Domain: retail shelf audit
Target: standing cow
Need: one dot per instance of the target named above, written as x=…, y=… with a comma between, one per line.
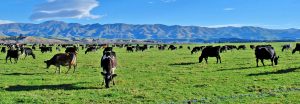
x=266, y=52
x=108, y=64
x=63, y=59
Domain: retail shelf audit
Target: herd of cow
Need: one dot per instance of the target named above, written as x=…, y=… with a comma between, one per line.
x=109, y=59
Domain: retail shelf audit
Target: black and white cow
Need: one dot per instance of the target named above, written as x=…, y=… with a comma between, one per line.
x=108, y=64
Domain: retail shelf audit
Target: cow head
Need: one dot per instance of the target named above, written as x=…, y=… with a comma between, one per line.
x=276, y=60
x=48, y=63
x=108, y=78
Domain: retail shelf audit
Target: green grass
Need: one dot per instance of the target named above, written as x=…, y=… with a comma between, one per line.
x=155, y=77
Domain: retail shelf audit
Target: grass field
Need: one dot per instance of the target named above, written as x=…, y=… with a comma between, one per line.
x=155, y=77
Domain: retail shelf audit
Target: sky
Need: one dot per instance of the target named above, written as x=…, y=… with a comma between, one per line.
x=274, y=14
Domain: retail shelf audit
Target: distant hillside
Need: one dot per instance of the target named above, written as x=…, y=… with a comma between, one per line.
x=58, y=29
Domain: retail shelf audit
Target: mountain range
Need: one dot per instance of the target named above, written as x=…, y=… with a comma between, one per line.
x=59, y=29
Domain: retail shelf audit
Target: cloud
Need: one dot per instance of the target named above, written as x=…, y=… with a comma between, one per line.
x=65, y=9
x=229, y=9
x=6, y=22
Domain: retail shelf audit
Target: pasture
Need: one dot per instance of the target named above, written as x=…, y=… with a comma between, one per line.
x=155, y=76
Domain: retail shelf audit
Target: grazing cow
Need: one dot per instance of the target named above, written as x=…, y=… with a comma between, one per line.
x=161, y=48
x=3, y=49
x=265, y=52
x=71, y=49
x=210, y=52
x=252, y=46
x=27, y=51
x=180, y=47
x=286, y=47
x=231, y=47
x=129, y=49
x=297, y=48
x=223, y=49
x=12, y=54
x=196, y=49
x=63, y=59
x=91, y=49
x=46, y=49
x=108, y=64
x=243, y=47
x=172, y=47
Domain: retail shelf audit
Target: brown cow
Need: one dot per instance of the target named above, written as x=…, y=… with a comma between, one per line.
x=64, y=59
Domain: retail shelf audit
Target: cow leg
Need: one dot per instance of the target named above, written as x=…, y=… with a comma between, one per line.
x=113, y=82
x=206, y=60
x=74, y=68
x=256, y=62
x=68, y=69
x=272, y=61
x=217, y=60
x=6, y=59
x=220, y=59
x=10, y=59
x=262, y=61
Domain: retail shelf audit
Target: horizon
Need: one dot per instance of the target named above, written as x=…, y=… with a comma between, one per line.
x=212, y=13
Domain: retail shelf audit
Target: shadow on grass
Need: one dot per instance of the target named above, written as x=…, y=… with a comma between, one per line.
x=47, y=87
x=240, y=68
x=183, y=63
x=17, y=74
x=283, y=71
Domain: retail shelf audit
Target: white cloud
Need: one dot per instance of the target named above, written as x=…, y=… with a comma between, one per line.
x=229, y=9
x=65, y=9
x=6, y=22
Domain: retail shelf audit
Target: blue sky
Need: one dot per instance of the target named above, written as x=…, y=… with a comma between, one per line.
x=277, y=14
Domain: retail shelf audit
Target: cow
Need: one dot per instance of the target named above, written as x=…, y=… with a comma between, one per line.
x=108, y=64
x=266, y=52
x=11, y=53
x=231, y=47
x=286, y=47
x=63, y=59
x=172, y=47
x=129, y=49
x=210, y=52
x=71, y=49
x=252, y=46
x=297, y=48
x=161, y=48
x=46, y=49
x=107, y=49
x=33, y=47
x=196, y=49
x=223, y=49
x=180, y=47
x=3, y=49
x=90, y=49
x=27, y=51
x=243, y=47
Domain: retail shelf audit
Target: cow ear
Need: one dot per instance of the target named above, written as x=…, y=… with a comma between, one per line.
x=45, y=61
x=103, y=73
x=114, y=75
x=278, y=57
